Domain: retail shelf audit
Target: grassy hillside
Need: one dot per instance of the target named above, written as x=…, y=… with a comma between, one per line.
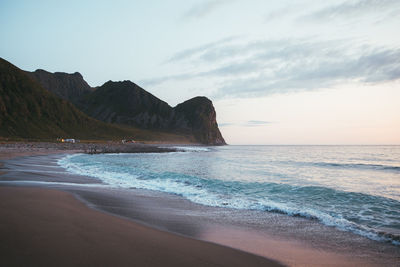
x=29, y=111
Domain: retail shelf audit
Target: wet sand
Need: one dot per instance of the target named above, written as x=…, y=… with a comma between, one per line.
x=16, y=149
x=292, y=241
x=41, y=227
x=44, y=227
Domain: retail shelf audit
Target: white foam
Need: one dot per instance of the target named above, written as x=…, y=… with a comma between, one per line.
x=193, y=148
x=201, y=195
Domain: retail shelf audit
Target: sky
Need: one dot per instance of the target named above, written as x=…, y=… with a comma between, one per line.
x=278, y=72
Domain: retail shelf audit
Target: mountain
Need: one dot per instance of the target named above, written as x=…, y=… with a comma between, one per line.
x=27, y=110
x=129, y=104
x=38, y=105
x=200, y=117
x=70, y=87
x=126, y=103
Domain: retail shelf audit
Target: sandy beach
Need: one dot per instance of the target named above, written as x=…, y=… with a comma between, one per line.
x=42, y=227
x=50, y=217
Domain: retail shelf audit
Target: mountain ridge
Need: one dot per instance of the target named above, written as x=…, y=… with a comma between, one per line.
x=28, y=111
x=68, y=86
x=126, y=105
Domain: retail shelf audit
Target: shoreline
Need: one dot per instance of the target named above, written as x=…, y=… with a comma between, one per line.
x=170, y=249
x=10, y=150
x=179, y=216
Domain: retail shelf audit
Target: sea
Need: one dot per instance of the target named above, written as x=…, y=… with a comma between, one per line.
x=351, y=188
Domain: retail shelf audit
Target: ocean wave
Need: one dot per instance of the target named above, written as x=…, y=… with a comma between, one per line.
x=312, y=202
x=334, y=221
x=365, y=166
x=193, y=148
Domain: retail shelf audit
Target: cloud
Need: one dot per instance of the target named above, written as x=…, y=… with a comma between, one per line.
x=283, y=12
x=313, y=73
x=204, y=8
x=225, y=124
x=350, y=9
x=256, y=123
x=188, y=53
x=222, y=71
x=231, y=47
x=267, y=67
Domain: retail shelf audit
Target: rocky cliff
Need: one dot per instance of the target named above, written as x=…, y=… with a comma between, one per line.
x=199, y=117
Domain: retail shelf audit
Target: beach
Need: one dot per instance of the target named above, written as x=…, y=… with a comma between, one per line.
x=200, y=133
x=53, y=217
x=42, y=227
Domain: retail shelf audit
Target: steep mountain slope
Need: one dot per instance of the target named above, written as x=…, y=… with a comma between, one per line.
x=29, y=111
x=126, y=103
x=67, y=86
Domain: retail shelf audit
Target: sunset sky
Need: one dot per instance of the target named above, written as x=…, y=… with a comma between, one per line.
x=278, y=72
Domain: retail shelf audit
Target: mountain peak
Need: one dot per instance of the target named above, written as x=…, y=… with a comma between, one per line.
x=200, y=114
x=77, y=74
x=125, y=83
x=67, y=86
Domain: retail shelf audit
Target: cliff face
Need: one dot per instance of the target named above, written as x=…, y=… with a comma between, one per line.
x=128, y=104
x=200, y=117
x=70, y=87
